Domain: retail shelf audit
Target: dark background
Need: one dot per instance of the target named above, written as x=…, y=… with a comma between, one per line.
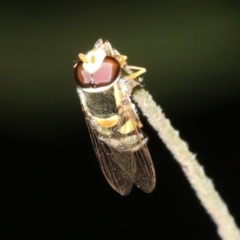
x=52, y=185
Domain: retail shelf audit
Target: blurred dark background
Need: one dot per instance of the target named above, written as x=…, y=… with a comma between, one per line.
x=52, y=185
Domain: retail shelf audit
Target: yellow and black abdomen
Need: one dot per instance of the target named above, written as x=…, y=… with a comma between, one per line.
x=114, y=120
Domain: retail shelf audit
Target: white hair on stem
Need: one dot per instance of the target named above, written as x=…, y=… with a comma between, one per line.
x=194, y=172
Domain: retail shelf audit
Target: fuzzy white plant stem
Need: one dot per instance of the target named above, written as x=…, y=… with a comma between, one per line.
x=194, y=172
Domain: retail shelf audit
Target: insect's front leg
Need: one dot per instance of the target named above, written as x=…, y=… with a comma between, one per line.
x=134, y=74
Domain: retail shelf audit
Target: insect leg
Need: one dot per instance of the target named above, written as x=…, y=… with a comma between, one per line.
x=135, y=74
x=121, y=58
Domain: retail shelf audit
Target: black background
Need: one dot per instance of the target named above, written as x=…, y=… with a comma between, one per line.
x=52, y=185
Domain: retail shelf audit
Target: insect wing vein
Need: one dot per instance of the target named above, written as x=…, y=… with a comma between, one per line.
x=113, y=164
x=145, y=174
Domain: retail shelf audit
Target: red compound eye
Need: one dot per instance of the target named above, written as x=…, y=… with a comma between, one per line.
x=104, y=76
x=82, y=77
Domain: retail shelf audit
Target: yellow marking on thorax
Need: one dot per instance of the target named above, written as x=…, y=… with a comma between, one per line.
x=117, y=95
x=128, y=127
x=107, y=122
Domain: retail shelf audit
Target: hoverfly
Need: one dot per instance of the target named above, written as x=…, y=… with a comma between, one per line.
x=105, y=83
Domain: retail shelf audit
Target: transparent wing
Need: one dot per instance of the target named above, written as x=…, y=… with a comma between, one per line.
x=122, y=168
x=145, y=177
x=118, y=167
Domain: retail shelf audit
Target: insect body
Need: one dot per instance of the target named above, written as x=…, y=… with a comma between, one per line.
x=105, y=83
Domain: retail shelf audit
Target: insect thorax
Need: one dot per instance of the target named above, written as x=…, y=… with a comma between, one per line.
x=101, y=104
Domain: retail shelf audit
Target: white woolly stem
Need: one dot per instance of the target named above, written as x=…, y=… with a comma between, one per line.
x=194, y=172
